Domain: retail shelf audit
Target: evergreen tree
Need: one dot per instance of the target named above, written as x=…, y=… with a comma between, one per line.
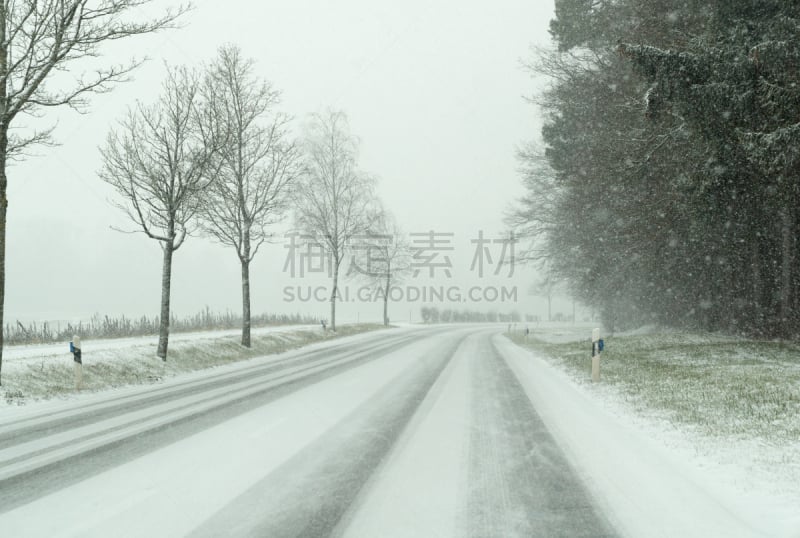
x=737, y=86
x=667, y=188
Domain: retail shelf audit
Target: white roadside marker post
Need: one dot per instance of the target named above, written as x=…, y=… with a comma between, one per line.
x=596, y=348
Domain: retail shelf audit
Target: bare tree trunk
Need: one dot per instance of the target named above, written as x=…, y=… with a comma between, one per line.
x=333, y=296
x=245, y=303
x=166, y=279
x=3, y=177
x=549, y=305
x=386, y=301
x=3, y=212
x=787, y=263
x=755, y=266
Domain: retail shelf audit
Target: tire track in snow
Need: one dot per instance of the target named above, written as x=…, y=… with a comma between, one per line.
x=309, y=494
x=29, y=485
x=53, y=422
x=521, y=484
x=418, y=488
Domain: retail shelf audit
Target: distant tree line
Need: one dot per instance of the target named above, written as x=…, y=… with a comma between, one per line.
x=667, y=188
x=433, y=314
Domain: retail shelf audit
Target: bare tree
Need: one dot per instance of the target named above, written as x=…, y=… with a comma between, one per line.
x=383, y=257
x=158, y=160
x=257, y=164
x=334, y=197
x=546, y=286
x=532, y=217
x=39, y=39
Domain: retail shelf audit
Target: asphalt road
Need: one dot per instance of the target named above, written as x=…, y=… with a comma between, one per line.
x=407, y=433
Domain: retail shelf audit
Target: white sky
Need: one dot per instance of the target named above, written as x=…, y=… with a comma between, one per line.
x=434, y=90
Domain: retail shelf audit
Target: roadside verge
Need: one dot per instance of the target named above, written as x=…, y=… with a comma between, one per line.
x=654, y=474
x=39, y=373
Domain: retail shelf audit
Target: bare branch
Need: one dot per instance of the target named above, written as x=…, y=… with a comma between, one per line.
x=43, y=38
x=334, y=201
x=258, y=162
x=159, y=163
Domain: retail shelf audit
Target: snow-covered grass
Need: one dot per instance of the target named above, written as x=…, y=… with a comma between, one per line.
x=44, y=372
x=732, y=403
x=719, y=385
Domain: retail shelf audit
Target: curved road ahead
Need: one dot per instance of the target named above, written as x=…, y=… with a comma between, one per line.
x=411, y=432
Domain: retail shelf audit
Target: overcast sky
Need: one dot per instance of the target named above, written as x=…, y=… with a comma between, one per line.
x=433, y=88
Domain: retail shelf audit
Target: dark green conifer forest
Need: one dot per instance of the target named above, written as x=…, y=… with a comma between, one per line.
x=666, y=189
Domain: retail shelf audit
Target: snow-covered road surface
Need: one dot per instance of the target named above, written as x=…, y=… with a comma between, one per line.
x=415, y=432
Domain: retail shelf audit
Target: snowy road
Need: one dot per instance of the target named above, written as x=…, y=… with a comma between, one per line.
x=415, y=432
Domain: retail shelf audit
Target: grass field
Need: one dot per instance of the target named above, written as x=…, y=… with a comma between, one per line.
x=714, y=384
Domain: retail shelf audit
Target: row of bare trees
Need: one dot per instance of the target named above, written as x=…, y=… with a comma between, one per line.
x=336, y=207
x=215, y=154
x=212, y=154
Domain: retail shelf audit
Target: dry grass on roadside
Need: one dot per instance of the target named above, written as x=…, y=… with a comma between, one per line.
x=720, y=385
x=40, y=379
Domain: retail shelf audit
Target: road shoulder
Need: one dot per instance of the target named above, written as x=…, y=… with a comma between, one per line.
x=645, y=489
